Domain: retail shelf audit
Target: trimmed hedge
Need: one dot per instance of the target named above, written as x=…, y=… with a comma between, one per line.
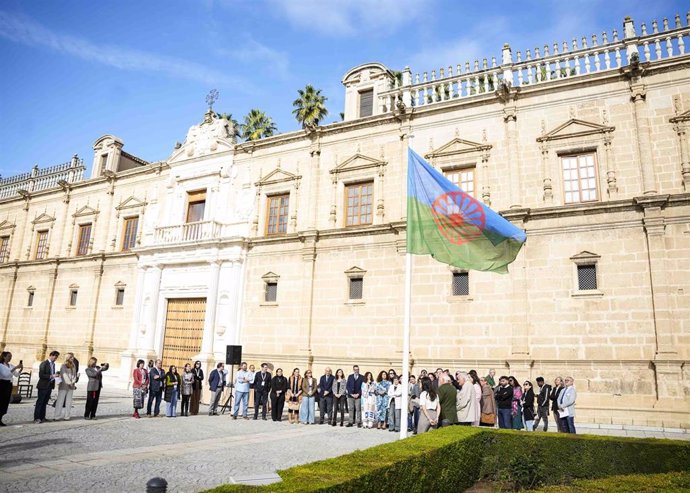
x=673, y=482
x=454, y=458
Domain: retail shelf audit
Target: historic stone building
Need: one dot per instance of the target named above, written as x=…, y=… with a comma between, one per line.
x=293, y=246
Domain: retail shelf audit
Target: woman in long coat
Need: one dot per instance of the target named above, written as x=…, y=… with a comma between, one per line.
x=196, y=388
x=488, y=404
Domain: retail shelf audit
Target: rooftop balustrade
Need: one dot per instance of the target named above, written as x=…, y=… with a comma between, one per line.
x=553, y=62
x=42, y=179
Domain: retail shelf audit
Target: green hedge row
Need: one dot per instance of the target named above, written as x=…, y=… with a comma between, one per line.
x=673, y=482
x=453, y=459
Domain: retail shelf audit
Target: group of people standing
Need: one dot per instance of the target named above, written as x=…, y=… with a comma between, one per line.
x=436, y=399
x=152, y=384
x=516, y=403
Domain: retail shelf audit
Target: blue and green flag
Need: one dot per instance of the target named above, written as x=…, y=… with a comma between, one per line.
x=452, y=226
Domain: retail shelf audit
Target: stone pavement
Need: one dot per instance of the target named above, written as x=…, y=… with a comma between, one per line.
x=117, y=453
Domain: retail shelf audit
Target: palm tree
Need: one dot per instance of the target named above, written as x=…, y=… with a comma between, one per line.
x=233, y=122
x=257, y=125
x=310, y=106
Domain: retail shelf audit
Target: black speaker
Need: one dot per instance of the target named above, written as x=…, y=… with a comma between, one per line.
x=233, y=355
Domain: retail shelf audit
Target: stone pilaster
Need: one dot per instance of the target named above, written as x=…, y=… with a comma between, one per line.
x=638, y=95
x=512, y=162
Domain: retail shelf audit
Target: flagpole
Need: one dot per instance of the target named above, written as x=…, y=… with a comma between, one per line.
x=406, y=344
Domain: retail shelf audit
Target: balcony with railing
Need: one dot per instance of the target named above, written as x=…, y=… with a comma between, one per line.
x=188, y=232
x=556, y=62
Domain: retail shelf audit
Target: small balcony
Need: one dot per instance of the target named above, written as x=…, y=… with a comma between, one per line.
x=188, y=232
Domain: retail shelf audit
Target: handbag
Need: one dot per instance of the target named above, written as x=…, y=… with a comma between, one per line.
x=488, y=419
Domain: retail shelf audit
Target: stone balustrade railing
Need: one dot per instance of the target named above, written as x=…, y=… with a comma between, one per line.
x=42, y=179
x=552, y=63
x=188, y=232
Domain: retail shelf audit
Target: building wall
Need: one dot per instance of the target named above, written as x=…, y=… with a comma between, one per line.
x=625, y=343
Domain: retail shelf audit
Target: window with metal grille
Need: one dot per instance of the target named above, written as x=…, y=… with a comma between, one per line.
x=461, y=283
x=271, y=292
x=358, y=203
x=366, y=103
x=579, y=178
x=463, y=178
x=120, y=296
x=4, y=249
x=129, y=234
x=84, y=238
x=42, y=245
x=586, y=277
x=30, y=301
x=356, y=288
x=73, y=297
x=277, y=214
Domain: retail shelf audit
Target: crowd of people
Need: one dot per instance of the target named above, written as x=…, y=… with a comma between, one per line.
x=435, y=399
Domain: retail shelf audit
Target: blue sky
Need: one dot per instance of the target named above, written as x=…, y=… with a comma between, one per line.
x=73, y=71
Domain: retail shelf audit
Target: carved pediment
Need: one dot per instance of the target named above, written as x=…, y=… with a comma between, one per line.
x=458, y=146
x=7, y=225
x=278, y=175
x=683, y=117
x=87, y=210
x=130, y=203
x=211, y=136
x=270, y=277
x=575, y=128
x=585, y=257
x=355, y=271
x=358, y=162
x=43, y=218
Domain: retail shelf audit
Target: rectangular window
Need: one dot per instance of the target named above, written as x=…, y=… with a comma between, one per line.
x=356, y=288
x=4, y=249
x=120, y=296
x=73, y=297
x=461, y=284
x=30, y=301
x=196, y=204
x=579, y=178
x=277, y=214
x=366, y=103
x=84, y=238
x=271, y=293
x=358, y=203
x=104, y=162
x=129, y=234
x=41, y=245
x=586, y=277
x=463, y=178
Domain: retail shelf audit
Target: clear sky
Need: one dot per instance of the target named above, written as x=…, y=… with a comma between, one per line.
x=71, y=71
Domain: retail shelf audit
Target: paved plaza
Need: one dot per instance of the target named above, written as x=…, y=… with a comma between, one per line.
x=117, y=453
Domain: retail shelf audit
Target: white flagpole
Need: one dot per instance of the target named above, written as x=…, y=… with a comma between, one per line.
x=406, y=344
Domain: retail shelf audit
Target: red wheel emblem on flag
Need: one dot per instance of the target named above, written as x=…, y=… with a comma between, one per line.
x=459, y=217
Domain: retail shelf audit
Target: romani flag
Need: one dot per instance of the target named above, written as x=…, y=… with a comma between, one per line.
x=452, y=226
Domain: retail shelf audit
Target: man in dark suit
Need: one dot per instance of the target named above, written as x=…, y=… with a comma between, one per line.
x=325, y=390
x=45, y=385
x=262, y=386
x=156, y=387
x=555, y=394
x=216, y=384
x=543, y=403
x=354, y=392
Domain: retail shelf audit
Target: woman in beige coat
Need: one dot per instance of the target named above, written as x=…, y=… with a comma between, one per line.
x=488, y=414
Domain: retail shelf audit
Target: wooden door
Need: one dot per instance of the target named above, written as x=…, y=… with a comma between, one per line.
x=184, y=330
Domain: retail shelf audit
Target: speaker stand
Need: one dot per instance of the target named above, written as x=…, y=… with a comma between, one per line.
x=231, y=386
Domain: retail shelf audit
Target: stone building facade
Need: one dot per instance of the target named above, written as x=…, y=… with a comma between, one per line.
x=293, y=246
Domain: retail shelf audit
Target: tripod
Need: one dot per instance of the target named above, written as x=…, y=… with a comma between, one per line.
x=231, y=385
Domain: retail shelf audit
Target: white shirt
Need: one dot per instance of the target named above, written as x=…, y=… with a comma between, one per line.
x=6, y=372
x=424, y=401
